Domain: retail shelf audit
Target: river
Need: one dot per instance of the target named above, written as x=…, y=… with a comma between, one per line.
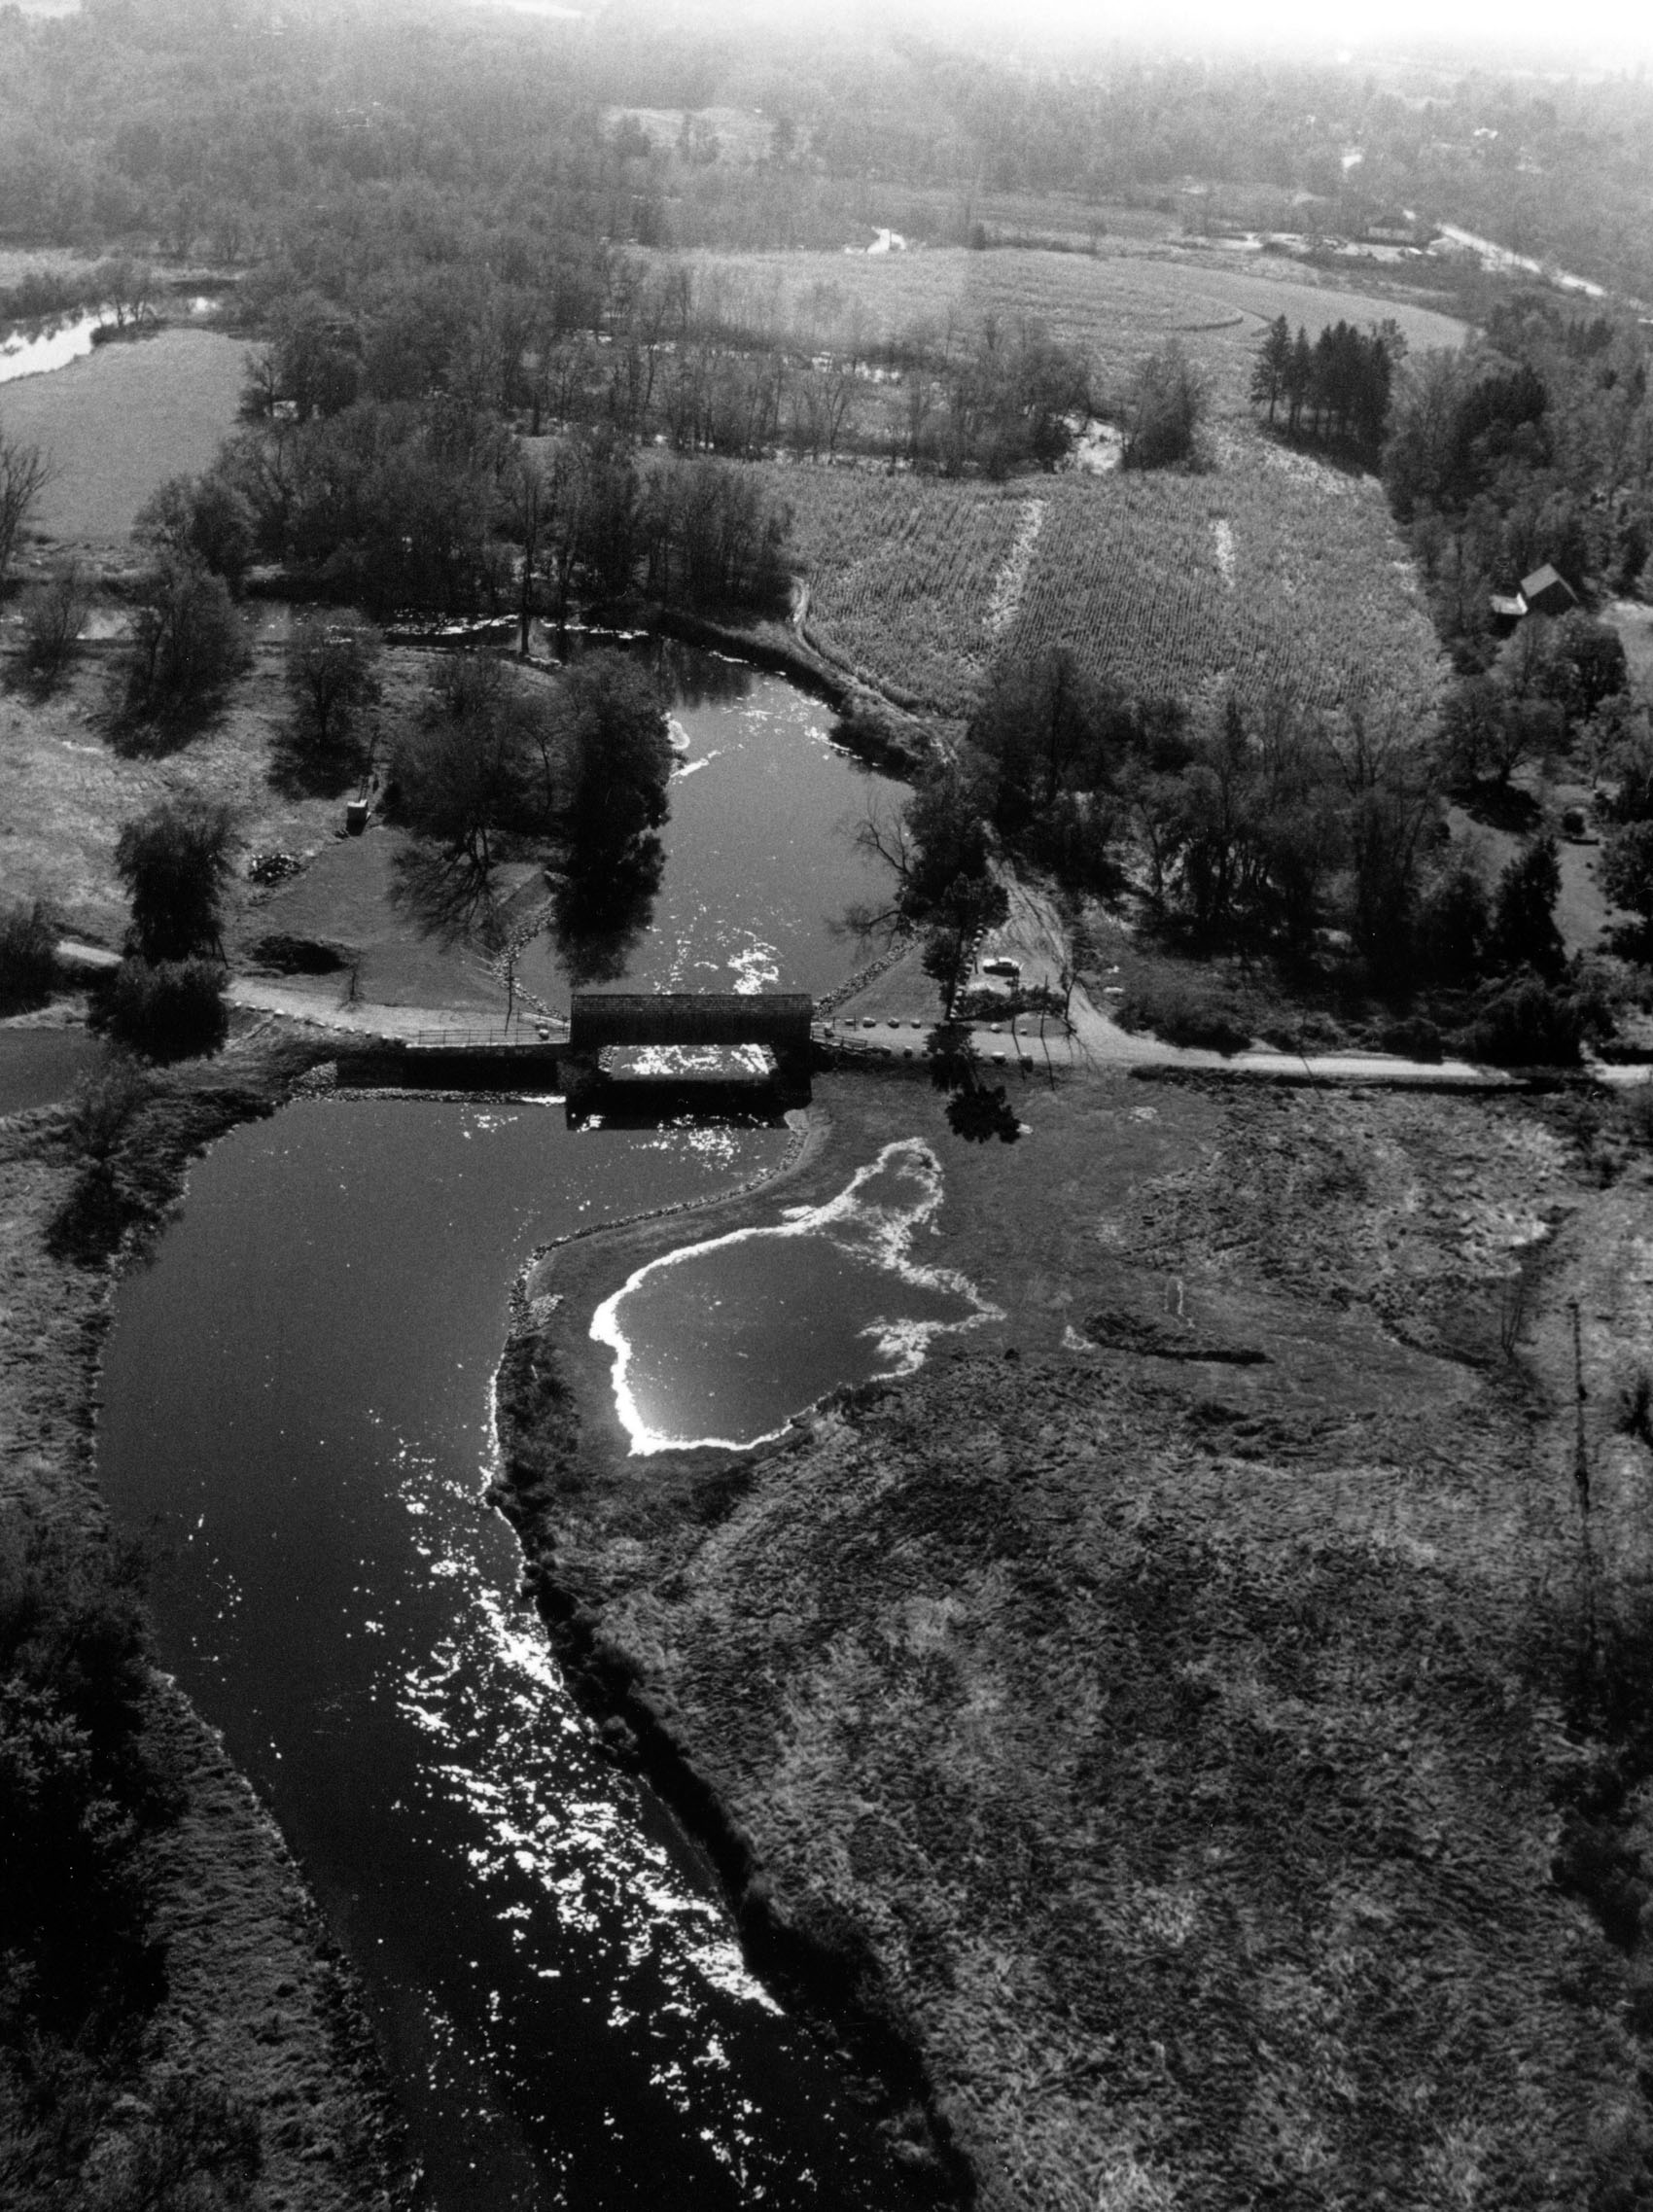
x=297, y=1404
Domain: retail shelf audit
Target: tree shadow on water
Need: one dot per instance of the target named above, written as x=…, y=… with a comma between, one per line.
x=601, y=908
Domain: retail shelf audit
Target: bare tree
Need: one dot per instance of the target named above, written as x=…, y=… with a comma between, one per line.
x=25, y=472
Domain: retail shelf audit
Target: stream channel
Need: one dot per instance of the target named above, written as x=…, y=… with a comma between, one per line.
x=296, y=1400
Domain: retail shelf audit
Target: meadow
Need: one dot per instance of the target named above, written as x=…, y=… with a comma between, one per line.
x=1268, y=571
x=1115, y=307
x=123, y=421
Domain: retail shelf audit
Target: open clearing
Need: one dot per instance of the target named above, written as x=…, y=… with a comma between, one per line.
x=121, y=422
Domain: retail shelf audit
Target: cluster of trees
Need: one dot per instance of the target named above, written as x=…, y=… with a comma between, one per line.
x=1249, y=832
x=1335, y=392
x=650, y=353
x=1556, y=687
x=573, y=770
x=1532, y=446
x=402, y=504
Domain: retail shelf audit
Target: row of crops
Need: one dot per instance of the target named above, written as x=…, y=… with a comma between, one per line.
x=901, y=574
x=1252, y=577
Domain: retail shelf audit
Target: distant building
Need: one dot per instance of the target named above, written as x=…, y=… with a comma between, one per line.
x=1392, y=229
x=1545, y=592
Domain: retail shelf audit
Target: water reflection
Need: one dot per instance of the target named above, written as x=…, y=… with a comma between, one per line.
x=55, y=347
x=721, y=1343
x=601, y=908
x=756, y=865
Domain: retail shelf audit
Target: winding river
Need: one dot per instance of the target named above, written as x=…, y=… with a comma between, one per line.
x=297, y=1404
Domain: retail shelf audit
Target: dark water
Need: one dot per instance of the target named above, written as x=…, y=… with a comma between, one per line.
x=297, y=1399
x=721, y=1341
x=758, y=861
x=38, y=1066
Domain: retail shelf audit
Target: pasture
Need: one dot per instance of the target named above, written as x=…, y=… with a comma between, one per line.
x=121, y=422
x=1269, y=571
x=1115, y=307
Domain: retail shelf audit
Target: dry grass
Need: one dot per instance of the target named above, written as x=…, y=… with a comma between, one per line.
x=65, y=791
x=1183, y=1740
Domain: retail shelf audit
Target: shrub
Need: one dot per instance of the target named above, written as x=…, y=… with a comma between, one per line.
x=29, y=956
x=103, y=1106
x=1184, y=1013
x=51, y=623
x=170, y=1009
x=1527, y=1024
x=1416, y=1037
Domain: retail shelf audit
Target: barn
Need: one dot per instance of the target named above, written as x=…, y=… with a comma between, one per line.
x=1545, y=592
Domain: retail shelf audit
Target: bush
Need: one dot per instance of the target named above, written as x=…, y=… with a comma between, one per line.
x=1416, y=1037
x=51, y=623
x=29, y=956
x=170, y=1009
x=1184, y=1013
x=102, y=1108
x=1528, y=1024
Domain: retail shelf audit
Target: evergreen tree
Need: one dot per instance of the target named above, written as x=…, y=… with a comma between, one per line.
x=1272, y=362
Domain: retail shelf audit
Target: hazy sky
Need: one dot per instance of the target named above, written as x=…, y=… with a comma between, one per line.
x=1510, y=32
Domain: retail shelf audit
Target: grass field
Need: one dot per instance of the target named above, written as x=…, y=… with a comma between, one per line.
x=1116, y=307
x=123, y=421
x=1270, y=570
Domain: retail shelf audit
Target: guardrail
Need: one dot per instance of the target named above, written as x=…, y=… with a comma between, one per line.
x=526, y=1036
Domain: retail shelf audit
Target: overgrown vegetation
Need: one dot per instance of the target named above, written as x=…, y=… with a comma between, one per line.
x=79, y=1968
x=28, y=955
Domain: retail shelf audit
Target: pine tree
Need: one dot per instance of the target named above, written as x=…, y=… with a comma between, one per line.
x=1298, y=380
x=1273, y=359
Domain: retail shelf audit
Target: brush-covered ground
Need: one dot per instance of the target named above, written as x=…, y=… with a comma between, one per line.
x=219, y=2052
x=1169, y=1707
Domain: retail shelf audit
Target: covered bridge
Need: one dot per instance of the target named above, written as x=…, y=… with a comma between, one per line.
x=778, y=1019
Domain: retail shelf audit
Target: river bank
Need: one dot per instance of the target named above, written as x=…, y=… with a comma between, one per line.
x=254, y=2001
x=1157, y=1715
